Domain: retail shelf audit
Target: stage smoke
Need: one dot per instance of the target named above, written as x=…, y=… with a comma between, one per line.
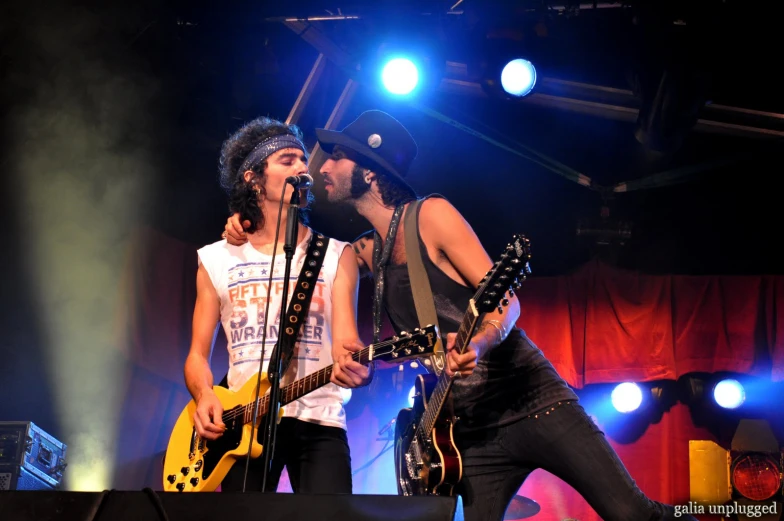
x=84, y=133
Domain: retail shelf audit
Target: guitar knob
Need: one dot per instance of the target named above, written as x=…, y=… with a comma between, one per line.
x=198, y=465
x=505, y=302
x=171, y=478
x=185, y=471
x=181, y=487
x=194, y=481
x=500, y=310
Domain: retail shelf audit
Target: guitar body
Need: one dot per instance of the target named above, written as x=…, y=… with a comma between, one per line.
x=429, y=466
x=193, y=464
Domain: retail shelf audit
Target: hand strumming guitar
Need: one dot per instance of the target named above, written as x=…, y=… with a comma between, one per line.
x=208, y=416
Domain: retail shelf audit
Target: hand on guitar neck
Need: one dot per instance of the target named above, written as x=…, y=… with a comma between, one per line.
x=457, y=363
x=347, y=372
x=462, y=362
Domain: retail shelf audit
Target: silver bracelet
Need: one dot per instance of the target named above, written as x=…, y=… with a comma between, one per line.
x=500, y=327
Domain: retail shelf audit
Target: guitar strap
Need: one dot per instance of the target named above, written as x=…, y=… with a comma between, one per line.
x=420, y=284
x=300, y=298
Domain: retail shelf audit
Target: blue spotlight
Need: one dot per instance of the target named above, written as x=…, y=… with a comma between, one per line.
x=345, y=394
x=729, y=394
x=400, y=76
x=518, y=77
x=626, y=397
x=411, y=395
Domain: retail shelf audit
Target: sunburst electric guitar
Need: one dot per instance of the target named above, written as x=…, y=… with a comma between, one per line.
x=427, y=461
x=193, y=464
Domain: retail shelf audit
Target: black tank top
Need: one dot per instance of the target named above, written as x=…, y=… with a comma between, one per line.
x=510, y=382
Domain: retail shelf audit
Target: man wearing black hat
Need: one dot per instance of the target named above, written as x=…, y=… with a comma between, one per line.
x=516, y=413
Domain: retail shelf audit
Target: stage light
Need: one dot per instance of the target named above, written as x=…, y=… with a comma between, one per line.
x=626, y=397
x=748, y=473
x=345, y=394
x=411, y=395
x=729, y=393
x=504, y=68
x=518, y=77
x=400, y=76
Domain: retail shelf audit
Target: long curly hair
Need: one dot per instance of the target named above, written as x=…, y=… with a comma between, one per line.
x=242, y=195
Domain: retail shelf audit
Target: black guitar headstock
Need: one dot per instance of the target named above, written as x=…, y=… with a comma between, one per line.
x=421, y=342
x=506, y=276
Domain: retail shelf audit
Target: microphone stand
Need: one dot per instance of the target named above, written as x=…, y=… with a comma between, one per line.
x=274, y=368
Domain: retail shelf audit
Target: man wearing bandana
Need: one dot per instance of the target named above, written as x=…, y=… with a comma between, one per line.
x=233, y=286
x=516, y=414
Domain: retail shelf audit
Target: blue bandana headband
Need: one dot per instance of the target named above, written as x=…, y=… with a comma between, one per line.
x=268, y=147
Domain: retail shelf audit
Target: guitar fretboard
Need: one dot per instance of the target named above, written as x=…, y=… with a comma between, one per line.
x=301, y=387
x=439, y=395
x=417, y=344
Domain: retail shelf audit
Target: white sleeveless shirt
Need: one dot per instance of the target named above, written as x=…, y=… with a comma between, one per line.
x=240, y=275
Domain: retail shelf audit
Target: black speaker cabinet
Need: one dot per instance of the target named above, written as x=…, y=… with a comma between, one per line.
x=171, y=506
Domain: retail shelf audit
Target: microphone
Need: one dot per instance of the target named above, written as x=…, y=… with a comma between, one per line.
x=300, y=181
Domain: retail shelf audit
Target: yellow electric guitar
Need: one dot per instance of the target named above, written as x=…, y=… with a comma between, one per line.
x=193, y=464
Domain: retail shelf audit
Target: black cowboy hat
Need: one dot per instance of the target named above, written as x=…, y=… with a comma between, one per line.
x=377, y=137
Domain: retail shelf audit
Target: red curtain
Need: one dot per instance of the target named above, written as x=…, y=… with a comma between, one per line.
x=597, y=325
x=602, y=324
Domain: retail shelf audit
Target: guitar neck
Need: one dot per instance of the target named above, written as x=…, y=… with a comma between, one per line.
x=296, y=390
x=439, y=395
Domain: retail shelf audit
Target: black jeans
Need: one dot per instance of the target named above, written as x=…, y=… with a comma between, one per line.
x=316, y=456
x=566, y=443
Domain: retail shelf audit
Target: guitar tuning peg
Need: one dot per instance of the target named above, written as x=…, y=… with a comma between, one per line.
x=511, y=293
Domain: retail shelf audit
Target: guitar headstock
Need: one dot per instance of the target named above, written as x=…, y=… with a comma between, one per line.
x=506, y=276
x=420, y=342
